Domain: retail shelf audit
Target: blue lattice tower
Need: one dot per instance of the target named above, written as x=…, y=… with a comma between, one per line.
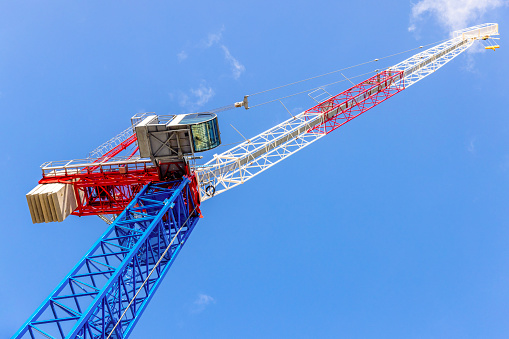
x=106, y=292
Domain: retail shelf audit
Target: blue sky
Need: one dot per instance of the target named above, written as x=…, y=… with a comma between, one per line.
x=393, y=226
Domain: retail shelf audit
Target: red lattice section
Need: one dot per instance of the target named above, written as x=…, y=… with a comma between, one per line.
x=105, y=188
x=347, y=105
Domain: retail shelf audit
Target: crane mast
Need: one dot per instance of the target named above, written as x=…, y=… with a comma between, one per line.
x=107, y=291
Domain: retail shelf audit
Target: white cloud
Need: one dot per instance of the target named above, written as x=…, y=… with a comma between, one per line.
x=453, y=14
x=183, y=99
x=237, y=67
x=182, y=56
x=469, y=65
x=471, y=146
x=203, y=94
x=202, y=302
x=216, y=38
x=196, y=98
x=470, y=60
x=213, y=38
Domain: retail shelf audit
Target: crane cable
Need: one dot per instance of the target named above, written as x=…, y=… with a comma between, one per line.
x=245, y=104
x=308, y=90
x=343, y=69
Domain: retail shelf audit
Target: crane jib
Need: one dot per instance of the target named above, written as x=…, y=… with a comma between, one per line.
x=313, y=123
x=330, y=108
x=327, y=111
x=435, y=57
x=246, y=160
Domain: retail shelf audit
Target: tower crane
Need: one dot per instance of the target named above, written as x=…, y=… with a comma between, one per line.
x=152, y=201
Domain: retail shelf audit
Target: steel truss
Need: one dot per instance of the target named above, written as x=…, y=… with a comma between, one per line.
x=110, y=193
x=124, y=139
x=103, y=188
x=423, y=64
x=358, y=99
x=102, y=185
x=250, y=158
x=106, y=292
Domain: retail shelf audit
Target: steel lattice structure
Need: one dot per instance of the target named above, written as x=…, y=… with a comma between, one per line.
x=107, y=291
x=252, y=157
x=102, y=187
x=119, y=275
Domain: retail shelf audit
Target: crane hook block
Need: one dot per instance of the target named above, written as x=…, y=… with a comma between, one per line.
x=242, y=103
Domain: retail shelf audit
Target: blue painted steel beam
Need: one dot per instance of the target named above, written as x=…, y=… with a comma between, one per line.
x=107, y=291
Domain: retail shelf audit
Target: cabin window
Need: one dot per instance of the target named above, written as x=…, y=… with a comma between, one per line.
x=205, y=135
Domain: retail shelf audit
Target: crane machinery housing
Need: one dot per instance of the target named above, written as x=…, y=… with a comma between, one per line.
x=152, y=200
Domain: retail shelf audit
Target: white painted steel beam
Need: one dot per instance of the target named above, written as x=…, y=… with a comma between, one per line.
x=248, y=159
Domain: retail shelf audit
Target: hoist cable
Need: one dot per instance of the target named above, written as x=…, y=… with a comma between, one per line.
x=342, y=69
x=307, y=91
x=232, y=106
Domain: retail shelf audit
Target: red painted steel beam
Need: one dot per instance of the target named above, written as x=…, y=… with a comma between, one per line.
x=117, y=149
x=357, y=100
x=103, y=176
x=105, y=189
x=195, y=192
x=110, y=192
x=109, y=188
x=105, y=199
